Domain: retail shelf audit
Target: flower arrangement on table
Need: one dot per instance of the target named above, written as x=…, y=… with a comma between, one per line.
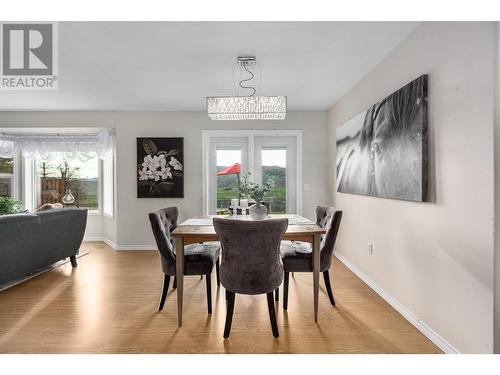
x=256, y=192
x=253, y=190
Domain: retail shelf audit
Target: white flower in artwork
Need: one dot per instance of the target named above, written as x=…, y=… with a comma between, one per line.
x=162, y=161
x=158, y=174
x=167, y=173
x=143, y=175
x=147, y=161
x=155, y=163
x=157, y=168
x=176, y=164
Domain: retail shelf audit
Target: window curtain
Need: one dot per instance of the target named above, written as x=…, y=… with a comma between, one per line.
x=46, y=147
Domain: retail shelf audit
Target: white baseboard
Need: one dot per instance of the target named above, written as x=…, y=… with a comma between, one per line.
x=135, y=247
x=93, y=239
x=432, y=335
x=118, y=247
x=110, y=243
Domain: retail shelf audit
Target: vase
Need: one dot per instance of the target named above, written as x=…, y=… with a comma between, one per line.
x=258, y=211
x=68, y=198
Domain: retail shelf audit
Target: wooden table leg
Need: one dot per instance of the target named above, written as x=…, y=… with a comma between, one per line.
x=179, y=263
x=316, y=258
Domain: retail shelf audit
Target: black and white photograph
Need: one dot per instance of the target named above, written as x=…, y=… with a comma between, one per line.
x=382, y=152
x=160, y=168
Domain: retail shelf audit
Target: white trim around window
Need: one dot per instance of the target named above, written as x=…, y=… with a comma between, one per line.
x=14, y=177
x=27, y=183
x=107, y=175
x=250, y=134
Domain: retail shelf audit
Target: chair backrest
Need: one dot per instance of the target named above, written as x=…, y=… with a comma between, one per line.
x=329, y=219
x=163, y=222
x=251, y=261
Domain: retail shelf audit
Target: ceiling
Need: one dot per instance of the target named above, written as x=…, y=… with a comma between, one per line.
x=173, y=66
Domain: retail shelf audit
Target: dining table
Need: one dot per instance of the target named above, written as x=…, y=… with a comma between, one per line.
x=200, y=229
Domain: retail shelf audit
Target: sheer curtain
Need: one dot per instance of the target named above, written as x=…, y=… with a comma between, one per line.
x=46, y=147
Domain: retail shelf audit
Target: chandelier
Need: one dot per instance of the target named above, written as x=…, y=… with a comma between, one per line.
x=250, y=107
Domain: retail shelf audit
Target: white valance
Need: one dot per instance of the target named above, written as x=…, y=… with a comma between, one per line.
x=46, y=147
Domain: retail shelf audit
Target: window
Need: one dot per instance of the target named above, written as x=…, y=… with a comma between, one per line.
x=54, y=177
x=263, y=153
x=6, y=177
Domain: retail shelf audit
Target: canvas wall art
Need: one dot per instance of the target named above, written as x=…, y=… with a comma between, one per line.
x=382, y=152
x=160, y=167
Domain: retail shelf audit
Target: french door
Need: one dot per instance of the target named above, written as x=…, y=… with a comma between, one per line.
x=269, y=154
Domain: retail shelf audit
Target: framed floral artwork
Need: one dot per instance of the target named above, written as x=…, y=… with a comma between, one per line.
x=160, y=167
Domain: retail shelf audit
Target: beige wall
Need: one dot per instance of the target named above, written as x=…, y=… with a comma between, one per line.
x=130, y=226
x=497, y=190
x=434, y=258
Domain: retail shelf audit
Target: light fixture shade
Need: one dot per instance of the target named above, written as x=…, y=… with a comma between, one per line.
x=246, y=107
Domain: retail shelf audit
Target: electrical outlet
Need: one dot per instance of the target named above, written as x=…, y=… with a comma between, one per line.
x=370, y=248
x=307, y=187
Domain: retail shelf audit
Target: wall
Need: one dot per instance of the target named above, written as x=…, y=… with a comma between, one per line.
x=130, y=227
x=434, y=259
x=497, y=191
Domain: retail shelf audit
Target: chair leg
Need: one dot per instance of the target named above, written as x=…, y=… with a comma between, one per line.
x=277, y=294
x=285, y=291
x=72, y=259
x=166, y=281
x=326, y=276
x=209, y=292
x=217, y=273
x=229, y=314
x=174, y=286
x=272, y=314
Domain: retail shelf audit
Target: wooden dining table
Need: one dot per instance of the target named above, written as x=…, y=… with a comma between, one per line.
x=200, y=229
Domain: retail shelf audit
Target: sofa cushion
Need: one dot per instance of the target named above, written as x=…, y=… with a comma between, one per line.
x=49, y=206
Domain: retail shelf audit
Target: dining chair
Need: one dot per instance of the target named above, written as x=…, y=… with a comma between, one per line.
x=251, y=262
x=199, y=259
x=297, y=256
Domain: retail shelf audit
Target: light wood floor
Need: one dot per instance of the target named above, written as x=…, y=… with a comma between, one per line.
x=108, y=305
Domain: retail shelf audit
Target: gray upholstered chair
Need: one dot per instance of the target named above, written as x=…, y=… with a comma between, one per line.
x=199, y=259
x=297, y=256
x=251, y=262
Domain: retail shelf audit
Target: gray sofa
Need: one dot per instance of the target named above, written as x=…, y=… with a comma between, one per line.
x=31, y=242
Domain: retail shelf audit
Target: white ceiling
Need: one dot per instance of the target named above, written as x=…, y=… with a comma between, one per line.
x=173, y=66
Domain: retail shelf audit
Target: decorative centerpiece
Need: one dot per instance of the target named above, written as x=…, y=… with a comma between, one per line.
x=68, y=198
x=257, y=193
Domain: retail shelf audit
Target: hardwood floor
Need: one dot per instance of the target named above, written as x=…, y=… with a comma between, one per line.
x=109, y=305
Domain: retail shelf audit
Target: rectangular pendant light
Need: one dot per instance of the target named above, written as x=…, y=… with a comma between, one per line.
x=246, y=107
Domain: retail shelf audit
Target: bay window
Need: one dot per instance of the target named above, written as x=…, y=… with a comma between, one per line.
x=39, y=166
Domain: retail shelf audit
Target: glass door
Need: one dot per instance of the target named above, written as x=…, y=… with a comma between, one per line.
x=228, y=160
x=276, y=154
